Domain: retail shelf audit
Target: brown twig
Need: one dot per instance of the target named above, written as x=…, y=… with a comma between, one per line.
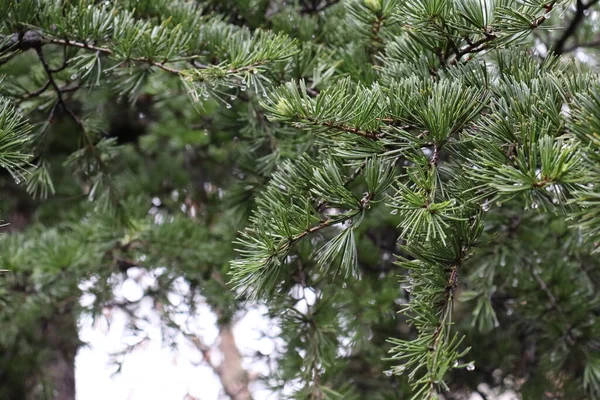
x=37, y=92
x=372, y=135
x=57, y=89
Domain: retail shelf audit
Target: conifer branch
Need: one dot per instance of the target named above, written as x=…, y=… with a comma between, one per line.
x=104, y=50
x=320, y=205
x=488, y=37
x=57, y=89
x=371, y=135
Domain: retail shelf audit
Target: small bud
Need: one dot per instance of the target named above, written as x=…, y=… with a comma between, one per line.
x=284, y=108
x=373, y=5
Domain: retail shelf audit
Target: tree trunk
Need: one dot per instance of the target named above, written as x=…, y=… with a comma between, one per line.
x=234, y=377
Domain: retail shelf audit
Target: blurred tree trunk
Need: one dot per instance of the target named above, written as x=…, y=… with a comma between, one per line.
x=56, y=376
x=234, y=377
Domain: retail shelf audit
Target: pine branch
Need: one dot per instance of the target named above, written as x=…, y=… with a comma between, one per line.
x=57, y=89
x=104, y=50
x=371, y=135
x=320, y=205
x=482, y=44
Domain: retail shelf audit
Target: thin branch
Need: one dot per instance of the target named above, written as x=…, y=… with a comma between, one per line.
x=204, y=350
x=482, y=43
x=311, y=9
x=592, y=44
x=104, y=50
x=372, y=135
x=57, y=89
x=8, y=57
x=64, y=63
x=321, y=204
x=37, y=92
x=436, y=154
x=71, y=43
x=480, y=393
x=447, y=307
x=580, y=9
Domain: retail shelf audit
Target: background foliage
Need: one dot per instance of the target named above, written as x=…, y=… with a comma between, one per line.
x=414, y=183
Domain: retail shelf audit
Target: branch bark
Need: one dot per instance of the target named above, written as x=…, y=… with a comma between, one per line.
x=232, y=375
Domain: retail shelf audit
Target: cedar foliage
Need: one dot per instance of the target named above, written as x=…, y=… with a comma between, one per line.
x=452, y=146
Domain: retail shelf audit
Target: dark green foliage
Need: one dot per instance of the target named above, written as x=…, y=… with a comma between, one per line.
x=427, y=157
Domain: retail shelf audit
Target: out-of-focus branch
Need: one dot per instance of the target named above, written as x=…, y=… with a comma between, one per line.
x=581, y=7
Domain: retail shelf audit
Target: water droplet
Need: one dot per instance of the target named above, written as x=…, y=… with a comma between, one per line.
x=509, y=311
x=485, y=206
x=232, y=97
x=227, y=105
x=394, y=212
x=586, y=12
x=538, y=260
x=17, y=180
x=534, y=205
x=243, y=88
x=471, y=366
x=555, y=201
x=455, y=364
x=73, y=77
x=496, y=324
x=388, y=372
